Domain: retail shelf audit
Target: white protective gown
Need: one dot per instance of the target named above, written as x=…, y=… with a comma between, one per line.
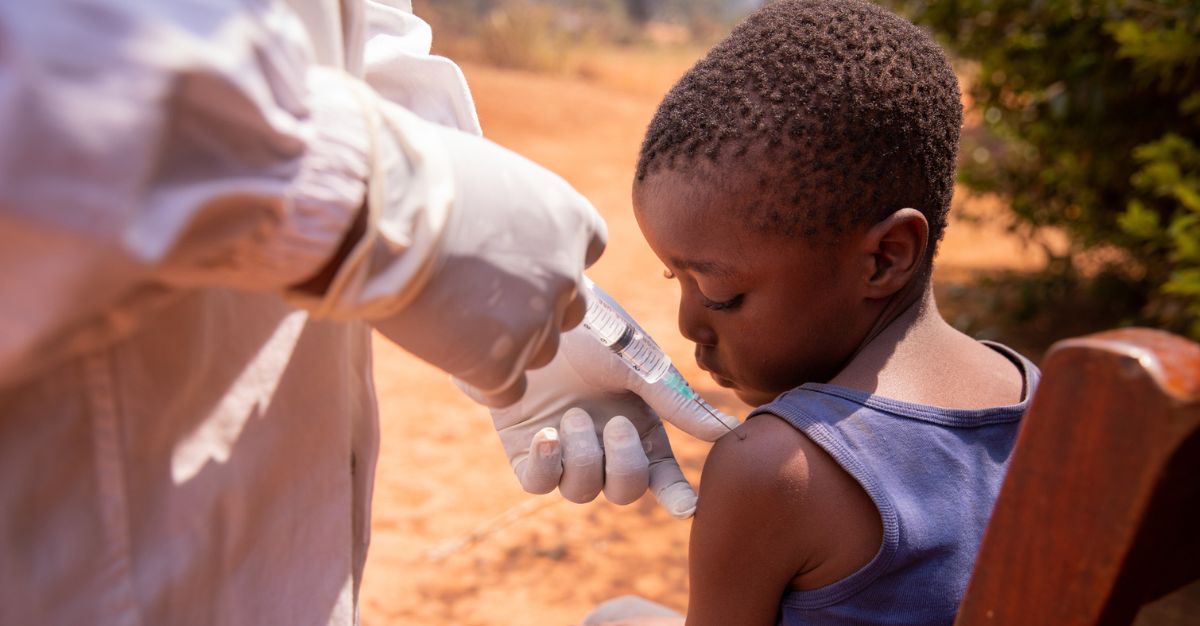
x=178, y=444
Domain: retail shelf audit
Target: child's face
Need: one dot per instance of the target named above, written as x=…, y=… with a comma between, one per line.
x=767, y=312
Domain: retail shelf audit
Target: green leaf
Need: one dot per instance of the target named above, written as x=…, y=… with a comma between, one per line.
x=1139, y=221
x=1184, y=282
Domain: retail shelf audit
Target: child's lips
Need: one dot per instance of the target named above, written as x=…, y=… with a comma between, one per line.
x=722, y=381
x=714, y=372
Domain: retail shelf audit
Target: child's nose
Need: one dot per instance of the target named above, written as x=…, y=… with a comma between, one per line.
x=693, y=322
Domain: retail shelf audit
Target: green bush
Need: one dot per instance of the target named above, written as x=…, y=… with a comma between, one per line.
x=1092, y=113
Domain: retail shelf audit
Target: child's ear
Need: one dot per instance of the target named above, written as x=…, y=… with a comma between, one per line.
x=896, y=249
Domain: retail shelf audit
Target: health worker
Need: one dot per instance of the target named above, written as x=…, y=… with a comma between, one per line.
x=205, y=207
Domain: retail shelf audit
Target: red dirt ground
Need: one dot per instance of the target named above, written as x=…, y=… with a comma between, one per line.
x=456, y=541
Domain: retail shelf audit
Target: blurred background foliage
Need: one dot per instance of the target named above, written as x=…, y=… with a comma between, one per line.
x=541, y=35
x=1087, y=124
x=1090, y=124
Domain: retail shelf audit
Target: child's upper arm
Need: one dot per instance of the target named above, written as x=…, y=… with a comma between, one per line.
x=753, y=530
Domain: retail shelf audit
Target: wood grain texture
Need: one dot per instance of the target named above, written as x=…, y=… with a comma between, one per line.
x=1098, y=513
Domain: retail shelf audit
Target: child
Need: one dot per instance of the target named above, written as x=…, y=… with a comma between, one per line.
x=796, y=182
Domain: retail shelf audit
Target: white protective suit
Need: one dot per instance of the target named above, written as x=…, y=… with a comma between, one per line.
x=183, y=440
x=186, y=437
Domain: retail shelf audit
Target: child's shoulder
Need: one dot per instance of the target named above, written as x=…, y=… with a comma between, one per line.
x=775, y=480
x=766, y=448
x=761, y=471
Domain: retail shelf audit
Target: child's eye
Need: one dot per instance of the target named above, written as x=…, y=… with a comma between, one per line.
x=727, y=305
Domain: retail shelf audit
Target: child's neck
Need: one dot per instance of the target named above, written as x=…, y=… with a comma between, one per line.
x=918, y=357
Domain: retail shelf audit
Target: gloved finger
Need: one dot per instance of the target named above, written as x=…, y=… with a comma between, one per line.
x=626, y=468
x=564, y=306
x=545, y=353
x=582, y=458
x=685, y=409
x=575, y=311
x=667, y=482
x=540, y=471
x=599, y=239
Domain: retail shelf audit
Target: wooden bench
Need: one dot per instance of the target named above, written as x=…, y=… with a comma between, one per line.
x=1100, y=511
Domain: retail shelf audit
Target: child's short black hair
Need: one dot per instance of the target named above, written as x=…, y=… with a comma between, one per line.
x=840, y=111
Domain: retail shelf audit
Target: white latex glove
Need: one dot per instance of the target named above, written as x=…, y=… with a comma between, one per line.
x=507, y=273
x=553, y=434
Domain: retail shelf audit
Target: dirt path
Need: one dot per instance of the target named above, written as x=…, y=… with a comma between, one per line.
x=456, y=542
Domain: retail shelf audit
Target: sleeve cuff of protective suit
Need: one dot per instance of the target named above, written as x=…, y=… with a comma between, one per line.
x=410, y=191
x=322, y=199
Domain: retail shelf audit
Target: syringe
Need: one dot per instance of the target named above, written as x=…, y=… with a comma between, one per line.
x=637, y=349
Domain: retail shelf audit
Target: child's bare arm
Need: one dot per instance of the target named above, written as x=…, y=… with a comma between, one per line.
x=775, y=512
x=747, y=540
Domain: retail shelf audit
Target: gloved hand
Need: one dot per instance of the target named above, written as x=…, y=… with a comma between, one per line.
x=507, y=273
x=586, y=395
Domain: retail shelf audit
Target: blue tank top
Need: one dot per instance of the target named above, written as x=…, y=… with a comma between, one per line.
x=933, y=474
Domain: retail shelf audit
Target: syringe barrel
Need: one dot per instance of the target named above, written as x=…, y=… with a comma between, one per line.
x=621, y=335
x=616, y=331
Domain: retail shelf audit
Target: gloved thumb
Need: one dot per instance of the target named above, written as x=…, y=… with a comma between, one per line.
x=675, y=402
